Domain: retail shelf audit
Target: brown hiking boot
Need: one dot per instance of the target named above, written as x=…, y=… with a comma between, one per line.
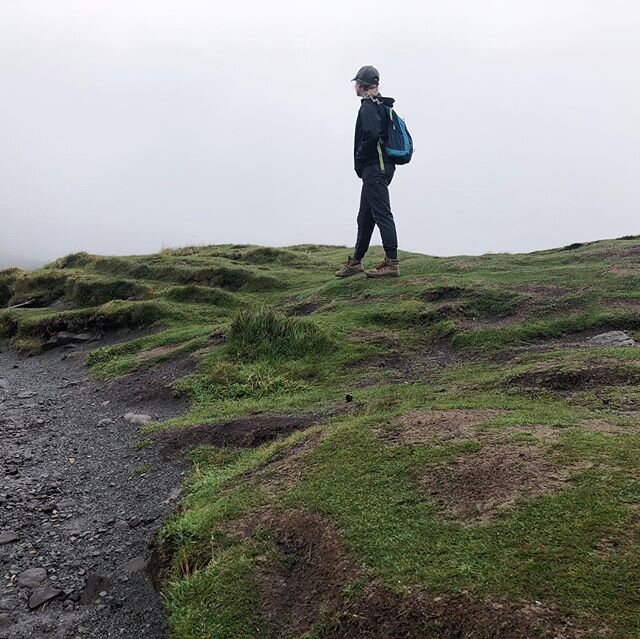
x=351, y=267
x=387, y=268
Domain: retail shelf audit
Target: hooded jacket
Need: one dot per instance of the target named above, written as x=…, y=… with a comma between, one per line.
x=371, y=126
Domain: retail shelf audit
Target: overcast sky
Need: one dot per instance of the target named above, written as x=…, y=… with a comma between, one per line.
x=126, y=125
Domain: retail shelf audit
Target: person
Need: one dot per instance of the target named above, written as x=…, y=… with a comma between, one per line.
x=376, y=171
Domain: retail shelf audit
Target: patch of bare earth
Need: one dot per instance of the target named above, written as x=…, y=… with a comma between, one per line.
x=245, y=432
x=308, y=576
x=150, y=386
x=588, y=376
x=415, y=614
x=419, y=426
x=607, y=428
x=160, y=351
x=303, y=590
x=477, y=485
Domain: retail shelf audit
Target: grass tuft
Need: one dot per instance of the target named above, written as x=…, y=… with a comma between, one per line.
x=267, y=334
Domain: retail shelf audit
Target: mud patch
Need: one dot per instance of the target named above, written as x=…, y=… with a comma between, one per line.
x=602, y=426
x=153, y=385
x=420, y=426
x=565, y=379
x=307, y=578
x=477, y=485
x=417, y=615
x=444, y=293
x=305, y=589
x=246, y=432
x=305, y=308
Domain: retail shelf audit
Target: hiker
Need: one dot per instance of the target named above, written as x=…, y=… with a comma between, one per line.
x=373, y=165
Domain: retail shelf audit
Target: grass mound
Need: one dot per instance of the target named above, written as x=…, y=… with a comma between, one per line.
x=576, y=376
x=268, y=255
x=95, y=291
x=8, y=279
x=110, y=316
x=73, y=260
x=194, y=294
x=41, y=288
x=266, y=333
x=167, y=269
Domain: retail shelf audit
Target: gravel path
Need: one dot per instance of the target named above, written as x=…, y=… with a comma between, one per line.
x=79, y=501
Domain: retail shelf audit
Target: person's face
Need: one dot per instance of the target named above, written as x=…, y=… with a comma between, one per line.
x=359, y=89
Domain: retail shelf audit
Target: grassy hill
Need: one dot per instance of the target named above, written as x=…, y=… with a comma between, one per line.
x=441, y=455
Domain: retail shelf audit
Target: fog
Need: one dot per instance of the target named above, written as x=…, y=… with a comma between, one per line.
x=129, y=126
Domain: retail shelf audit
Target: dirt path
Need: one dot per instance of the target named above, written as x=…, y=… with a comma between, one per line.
x=80, y=499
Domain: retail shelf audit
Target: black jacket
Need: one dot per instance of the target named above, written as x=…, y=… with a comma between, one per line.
x=371, y=126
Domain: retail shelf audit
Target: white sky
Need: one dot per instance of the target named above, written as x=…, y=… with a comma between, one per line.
x=128, y=125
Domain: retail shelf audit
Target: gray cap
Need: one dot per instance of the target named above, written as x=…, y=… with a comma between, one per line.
x=368, y=75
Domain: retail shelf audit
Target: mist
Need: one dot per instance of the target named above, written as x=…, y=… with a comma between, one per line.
x=129, y=126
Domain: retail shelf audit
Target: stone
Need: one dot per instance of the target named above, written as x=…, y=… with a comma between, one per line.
x=137, y=564
x=612, y=338
x=64, y=338
x=137, y=420
x=7, y=537
x=42, y=595
x=26, y=394
x=32, y=577
x=5, y=620
x=104, y=422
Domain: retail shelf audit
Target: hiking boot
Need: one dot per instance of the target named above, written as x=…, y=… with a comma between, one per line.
x=388, y=267
x=351, y=267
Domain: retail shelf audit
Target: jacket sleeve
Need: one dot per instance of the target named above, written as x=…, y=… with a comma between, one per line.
x=371, y=132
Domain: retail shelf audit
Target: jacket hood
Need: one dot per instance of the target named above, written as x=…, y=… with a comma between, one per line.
x=388, y=102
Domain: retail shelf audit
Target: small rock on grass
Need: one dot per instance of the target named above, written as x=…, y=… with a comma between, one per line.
x=612, y=338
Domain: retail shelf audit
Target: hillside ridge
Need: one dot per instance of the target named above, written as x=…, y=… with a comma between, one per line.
x=450, y=453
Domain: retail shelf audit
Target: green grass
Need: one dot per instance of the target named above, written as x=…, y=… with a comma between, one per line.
x=503, y=332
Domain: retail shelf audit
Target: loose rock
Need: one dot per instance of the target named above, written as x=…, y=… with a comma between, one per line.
x=137, y=420
x=32, y=577
x=612, y=338
x=42, y=595
x=137, y=564
x=8, y=537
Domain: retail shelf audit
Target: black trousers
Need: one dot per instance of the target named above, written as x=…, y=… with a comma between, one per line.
x=375, y=210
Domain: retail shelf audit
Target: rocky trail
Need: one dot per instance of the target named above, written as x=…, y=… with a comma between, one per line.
x=79, y=499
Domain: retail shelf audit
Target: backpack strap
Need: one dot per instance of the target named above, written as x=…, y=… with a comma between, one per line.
x=381, y=157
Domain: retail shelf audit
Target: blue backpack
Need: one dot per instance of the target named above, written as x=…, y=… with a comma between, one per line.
x=399, y=145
